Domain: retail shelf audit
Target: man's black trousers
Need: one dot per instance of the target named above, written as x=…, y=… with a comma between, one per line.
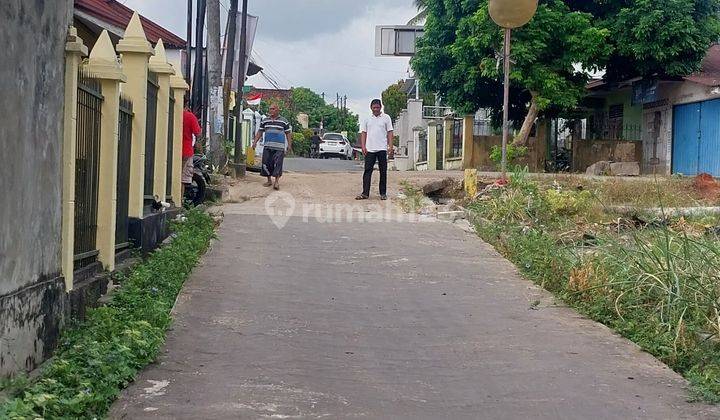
x=370, y=159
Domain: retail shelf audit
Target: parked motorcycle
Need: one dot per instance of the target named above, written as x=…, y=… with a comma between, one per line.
x=195, y=192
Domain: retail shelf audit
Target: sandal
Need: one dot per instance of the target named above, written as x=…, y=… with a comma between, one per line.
x=362, y=197
x=267, y=184
x=276, y=186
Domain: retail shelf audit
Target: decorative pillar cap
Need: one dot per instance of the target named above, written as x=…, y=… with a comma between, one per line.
x=177, y=82
x=74, y=44
x=135, y=40
x=103, y=62
x=159, y=62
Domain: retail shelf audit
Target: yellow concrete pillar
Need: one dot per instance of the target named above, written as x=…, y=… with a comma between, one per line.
x=448, y=127
x=74, y=51
x=135, y=51
x=432, y=146
x=179, y=87
x=468, y=124
x=159, y=65
x=103, y=65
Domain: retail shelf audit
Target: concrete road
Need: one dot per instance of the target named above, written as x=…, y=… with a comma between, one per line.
x=311, y=316
x=321, y=165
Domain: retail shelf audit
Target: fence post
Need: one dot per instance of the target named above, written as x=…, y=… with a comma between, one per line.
x=135, y=50
x=74, y=51
x=103, y=65
x=432, y=146
x=159, y=65
x=467, y=141
x=179, y=87
x=448, y=129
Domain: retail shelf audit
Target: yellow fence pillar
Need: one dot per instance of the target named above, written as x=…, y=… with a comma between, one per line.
x=74, y=51
x=159, y=65
x=448, y=127
x=432, y=146
x=467, y=141
x=103, y=65
x=135, y=50
x=179, y=87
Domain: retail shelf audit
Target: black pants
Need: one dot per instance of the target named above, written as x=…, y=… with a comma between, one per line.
x=370, y=159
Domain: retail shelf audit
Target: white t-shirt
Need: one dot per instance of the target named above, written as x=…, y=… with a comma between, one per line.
x=377, y=129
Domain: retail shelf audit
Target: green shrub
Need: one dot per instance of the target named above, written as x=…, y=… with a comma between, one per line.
x=301, y=144
x=568, y=203
x=513, y=153
x=100, y=356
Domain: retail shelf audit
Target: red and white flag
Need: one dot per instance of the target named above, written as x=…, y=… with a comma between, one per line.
x=253, y=100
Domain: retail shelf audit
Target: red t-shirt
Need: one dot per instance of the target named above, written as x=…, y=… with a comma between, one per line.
x=190, y=126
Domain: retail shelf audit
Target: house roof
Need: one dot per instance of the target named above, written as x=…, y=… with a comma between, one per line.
x=709, y=74
x=117, y=14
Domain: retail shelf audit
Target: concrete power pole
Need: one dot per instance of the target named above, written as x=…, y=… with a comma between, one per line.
x=239, y=164
x=214, y=61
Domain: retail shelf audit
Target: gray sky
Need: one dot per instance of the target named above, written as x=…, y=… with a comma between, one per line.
x=326, y=45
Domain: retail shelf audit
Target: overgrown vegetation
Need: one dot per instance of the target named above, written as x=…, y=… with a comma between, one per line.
x=100, y=356
x=655, y=281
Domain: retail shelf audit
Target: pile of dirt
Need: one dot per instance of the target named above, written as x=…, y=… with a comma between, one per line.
x=706, y=186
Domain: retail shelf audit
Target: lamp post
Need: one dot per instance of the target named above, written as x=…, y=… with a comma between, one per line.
x=509, y=14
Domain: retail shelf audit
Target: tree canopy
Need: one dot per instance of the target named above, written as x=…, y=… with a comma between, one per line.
x=459, y=56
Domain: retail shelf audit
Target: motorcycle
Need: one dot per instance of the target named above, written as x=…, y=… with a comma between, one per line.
x=195, y=192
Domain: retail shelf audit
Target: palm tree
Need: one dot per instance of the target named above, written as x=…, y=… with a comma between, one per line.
x=422, y=13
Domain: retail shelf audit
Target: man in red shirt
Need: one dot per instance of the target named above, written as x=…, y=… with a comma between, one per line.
x=191, y=127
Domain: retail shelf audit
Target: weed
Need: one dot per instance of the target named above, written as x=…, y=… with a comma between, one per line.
x=100, y=356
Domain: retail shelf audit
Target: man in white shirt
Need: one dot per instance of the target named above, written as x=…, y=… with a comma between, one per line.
x=376, y=138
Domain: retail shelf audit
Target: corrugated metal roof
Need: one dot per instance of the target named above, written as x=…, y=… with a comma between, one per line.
x=117, y=14
x=709, y=74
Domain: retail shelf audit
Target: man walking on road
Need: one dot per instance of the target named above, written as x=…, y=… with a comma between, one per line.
x=277, y=137
x=376, y=139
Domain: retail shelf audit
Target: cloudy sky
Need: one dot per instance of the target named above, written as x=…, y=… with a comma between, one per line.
x=326, y=45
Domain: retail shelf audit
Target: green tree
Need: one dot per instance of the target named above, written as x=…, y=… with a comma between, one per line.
x=545, y=53
x=665, y=38
x=394, y=99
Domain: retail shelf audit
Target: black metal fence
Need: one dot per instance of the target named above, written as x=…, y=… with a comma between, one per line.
x=482, y=128
x=87, y=169
x=439, y=144
x=605, y=127
x=422, y=147
x=122, y=221
x=457, y=139
x=170, y=148
x=150, y=135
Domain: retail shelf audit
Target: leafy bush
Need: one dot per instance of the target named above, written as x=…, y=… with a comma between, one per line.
x=568, y=203
x=513, y=153
x=301, y=144
x=100, y=356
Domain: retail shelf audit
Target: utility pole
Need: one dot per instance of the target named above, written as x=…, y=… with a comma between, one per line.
x=229, y=63
x=188, y=46
x=239, y=164
x=198, y=83
x=214, y=61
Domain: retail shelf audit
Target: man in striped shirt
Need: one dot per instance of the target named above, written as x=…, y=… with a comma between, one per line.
x=276, y=133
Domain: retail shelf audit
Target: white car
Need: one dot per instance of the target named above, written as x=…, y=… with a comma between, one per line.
x=335, y=145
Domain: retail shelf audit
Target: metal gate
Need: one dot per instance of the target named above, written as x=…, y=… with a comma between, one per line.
x=422, y=146
x=439, y=147
x=122, y=220
x=456, y=150
x=696, y=138
x=170, y=146
x=150, y=135
x=87, y=169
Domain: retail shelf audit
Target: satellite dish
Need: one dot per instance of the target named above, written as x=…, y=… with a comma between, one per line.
x=512, y=13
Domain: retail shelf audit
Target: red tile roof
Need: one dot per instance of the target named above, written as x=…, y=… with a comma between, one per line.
x=117, y=14
x=709, y=74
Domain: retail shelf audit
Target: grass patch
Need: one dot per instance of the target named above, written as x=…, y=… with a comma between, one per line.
x=414, y=199
x=100, y=356
x=657, y=284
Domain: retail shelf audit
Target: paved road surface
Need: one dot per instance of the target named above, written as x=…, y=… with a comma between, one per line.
x=384, y=320
x=321, y=165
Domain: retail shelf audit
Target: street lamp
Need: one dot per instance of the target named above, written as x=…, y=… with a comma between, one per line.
x=509, y=14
